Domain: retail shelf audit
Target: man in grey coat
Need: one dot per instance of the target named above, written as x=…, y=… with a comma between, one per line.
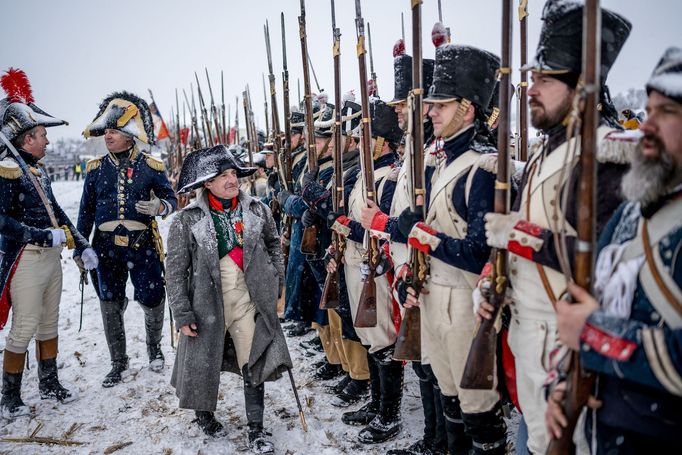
x=224, y=274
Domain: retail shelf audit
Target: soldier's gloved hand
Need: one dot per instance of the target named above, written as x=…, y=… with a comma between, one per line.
x=58, y=237
x=407, y=219
x=273, y=180
x=309, y=177
x=308, y=218
x=498, y=226
x=401, y=289
x=364, y=271
x=150, y=207
x=89, y=259
x=332, y=217
x=282, y=197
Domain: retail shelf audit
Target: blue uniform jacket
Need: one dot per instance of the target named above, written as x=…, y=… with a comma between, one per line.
x=110, y=191
x=627, y=384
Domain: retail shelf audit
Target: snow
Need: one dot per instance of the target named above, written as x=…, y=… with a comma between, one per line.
x=143, y=410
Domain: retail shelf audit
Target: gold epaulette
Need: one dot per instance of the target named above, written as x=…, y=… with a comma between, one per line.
x=154, y=163
x=9, y=169
x=93, y=164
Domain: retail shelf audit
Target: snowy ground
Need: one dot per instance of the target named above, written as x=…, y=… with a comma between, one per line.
x=143, y=413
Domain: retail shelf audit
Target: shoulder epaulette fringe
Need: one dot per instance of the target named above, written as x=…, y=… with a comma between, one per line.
x=9, y=169
x=618, y=147
x=93, y=164
x=154, y=163
x=488, y=162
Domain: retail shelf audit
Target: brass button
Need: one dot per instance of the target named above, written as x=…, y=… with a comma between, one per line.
x=121, y=217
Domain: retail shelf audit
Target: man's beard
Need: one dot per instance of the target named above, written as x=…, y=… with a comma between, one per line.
x=545, y=121
x=650, y=178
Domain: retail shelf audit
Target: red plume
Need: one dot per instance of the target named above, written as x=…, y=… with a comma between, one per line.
x=16, y=86
x=399, y=48
x=439, y=34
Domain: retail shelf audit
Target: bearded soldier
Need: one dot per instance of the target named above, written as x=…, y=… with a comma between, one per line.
x=382, y=413
x=538, y=215
x=123, y=193
x=33, y=231
x=633, y=340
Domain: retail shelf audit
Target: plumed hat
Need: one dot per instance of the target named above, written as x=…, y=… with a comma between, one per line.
x=560, y=47
x=18, y=112
x=204, y=164
x=402, y=73
x=667, y=76
x=124, y=112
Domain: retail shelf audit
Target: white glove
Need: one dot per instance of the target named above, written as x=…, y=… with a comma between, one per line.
x=498, y=227
x=364, y=271
x=150, y=207
x=58, y=237
x=90, y=260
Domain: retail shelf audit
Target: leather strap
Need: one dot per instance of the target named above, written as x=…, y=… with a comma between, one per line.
x=648, y=254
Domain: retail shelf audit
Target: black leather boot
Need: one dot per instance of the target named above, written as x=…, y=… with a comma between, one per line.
x=488, y=431
x=254, y=399
x=339, y=386
x=368, y=412
x=11, y=405
x=387, y=424
x=153, y=324
x=328, y=371
x=209, y=425
x=434, y=441
x=114, y=332
x=49, y=385
x=353, y=392
x=459, y=442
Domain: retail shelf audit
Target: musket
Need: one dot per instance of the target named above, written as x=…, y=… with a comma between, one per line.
x=440, y=19
x=522, y=144
x=252, y=124
x=193, y=117
x=375, y=91
x=366, y=315
x=196, y=116
x=250, y=137
x=265, y=106
x=312, y=69
x=204, y=113
x=276, y=133
x=330, y=291
x=177, y=131
x=286, y=150
x=309, y=241
x=236, y=120
x=580, y=383
x=214, y=112
x=402, y=25
x=408, y=343
x=225, y=126
x=298, y=82
x=479, y=370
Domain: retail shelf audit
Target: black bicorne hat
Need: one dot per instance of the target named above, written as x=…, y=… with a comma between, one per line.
x=560, y=47
x=384, y=121
x=667, y=76
x=202, y=165
x=125, y=112
x=463, y=72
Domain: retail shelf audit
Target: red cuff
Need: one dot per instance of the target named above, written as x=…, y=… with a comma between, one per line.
x=529, y=228
x=606, y=344
x=379, y=222
x=487, y=270
x=423, y=237
x=522, y=250
x=343, y=219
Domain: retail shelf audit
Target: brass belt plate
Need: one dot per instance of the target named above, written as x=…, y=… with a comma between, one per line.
x=121, y=240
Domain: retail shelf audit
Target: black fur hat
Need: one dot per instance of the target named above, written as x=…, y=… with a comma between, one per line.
x=384, y=121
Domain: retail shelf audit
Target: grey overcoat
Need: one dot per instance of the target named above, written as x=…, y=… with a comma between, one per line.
x=195, y=296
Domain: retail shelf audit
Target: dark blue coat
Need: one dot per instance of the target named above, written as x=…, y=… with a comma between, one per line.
x=628, y=385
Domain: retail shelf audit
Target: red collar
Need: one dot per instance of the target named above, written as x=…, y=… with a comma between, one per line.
x=217, y=203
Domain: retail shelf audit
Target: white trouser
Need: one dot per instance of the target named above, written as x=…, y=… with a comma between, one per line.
x=384, y=334
x=240, y=312
x=35, y=290
x=447, y=328
x=531, y=341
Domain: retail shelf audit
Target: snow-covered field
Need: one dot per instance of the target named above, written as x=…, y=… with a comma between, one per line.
x=143, y=413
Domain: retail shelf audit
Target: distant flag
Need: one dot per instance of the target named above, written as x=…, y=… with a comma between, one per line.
x=184, y=135
x=160, y=129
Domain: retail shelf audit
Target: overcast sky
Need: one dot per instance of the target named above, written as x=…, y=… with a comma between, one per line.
x=75, y=52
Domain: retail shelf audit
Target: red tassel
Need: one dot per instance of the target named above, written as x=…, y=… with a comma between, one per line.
x=399, y=48
x=15, y=84
x=439, y=34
